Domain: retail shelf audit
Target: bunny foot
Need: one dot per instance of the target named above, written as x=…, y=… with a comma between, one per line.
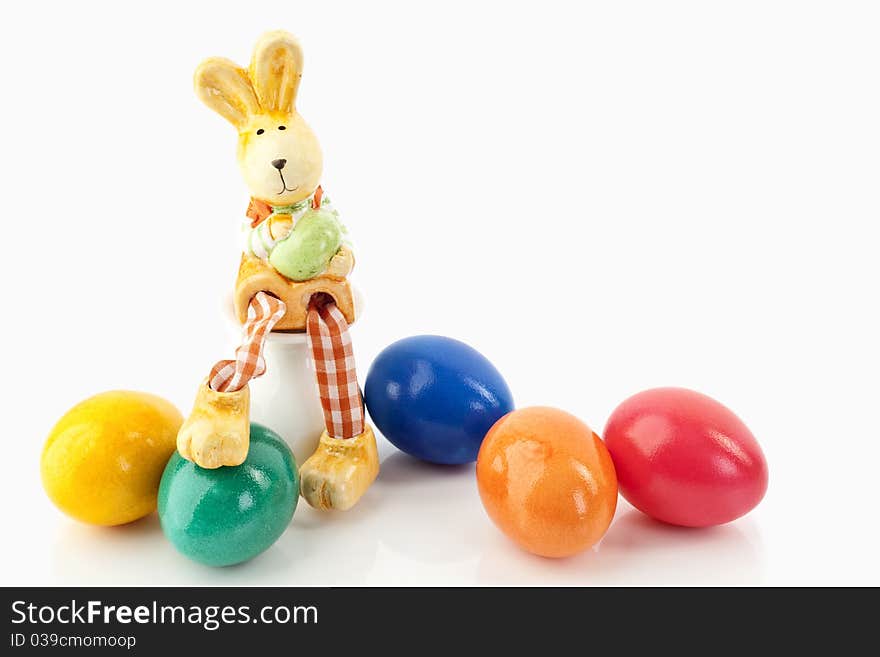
x=340, y=471
x=217, y=432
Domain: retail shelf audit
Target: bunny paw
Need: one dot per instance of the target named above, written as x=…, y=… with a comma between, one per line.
x=217, y=432
x=340, y=471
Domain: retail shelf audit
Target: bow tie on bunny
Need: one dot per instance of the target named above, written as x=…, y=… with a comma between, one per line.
x=258, y=211
x=293, y=276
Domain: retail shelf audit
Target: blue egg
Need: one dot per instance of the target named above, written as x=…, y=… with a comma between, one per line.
x=435, y=398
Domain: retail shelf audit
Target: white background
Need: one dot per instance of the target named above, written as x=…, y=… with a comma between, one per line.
x=601, y=197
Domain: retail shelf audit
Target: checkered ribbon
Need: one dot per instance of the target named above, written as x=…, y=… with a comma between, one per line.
x=264, y=312
x=331, y=351
x=335, y=370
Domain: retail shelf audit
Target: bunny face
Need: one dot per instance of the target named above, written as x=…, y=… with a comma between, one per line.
x=279, y=155
x=280, y=158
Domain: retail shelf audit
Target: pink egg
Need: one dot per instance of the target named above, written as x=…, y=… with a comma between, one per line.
x=683, y=458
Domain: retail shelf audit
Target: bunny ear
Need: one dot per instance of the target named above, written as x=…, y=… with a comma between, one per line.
x=276, y=70
x=225, y=88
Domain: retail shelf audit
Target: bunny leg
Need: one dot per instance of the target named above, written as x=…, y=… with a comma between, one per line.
x=217, y=432
x=347, y=461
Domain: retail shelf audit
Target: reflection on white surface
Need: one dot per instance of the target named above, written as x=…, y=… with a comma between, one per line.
x=435, y=501
x=636, y=550
x=418, y=524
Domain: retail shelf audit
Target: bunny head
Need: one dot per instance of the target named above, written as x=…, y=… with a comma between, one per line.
x=279, y=155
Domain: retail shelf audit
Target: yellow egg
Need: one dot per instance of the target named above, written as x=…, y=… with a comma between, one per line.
x=103, y=460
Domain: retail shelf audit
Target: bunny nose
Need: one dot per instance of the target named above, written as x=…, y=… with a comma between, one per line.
x=279, y=164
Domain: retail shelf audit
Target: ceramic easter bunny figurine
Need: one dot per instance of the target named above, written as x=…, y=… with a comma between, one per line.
x=293, y=277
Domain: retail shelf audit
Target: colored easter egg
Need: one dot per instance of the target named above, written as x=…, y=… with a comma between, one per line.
x=103, y=460
x=684, y=458
x=547, y=481
x=305, y=253
x=435, y=398
x=231, y=514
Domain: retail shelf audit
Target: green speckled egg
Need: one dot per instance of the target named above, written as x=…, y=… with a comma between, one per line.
x=229, y=515
x=304, y=254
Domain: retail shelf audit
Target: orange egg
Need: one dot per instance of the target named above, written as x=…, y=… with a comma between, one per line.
x=547, y=481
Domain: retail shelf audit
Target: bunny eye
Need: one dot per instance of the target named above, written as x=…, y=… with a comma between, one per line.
x=282, y=127
x=260, y=131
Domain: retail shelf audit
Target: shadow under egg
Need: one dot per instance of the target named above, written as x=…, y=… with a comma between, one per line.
x=433, y=511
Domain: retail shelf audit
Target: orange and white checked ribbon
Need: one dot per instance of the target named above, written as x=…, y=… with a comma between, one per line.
x=335, y=369
x=264, y=311
x=331, y=351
